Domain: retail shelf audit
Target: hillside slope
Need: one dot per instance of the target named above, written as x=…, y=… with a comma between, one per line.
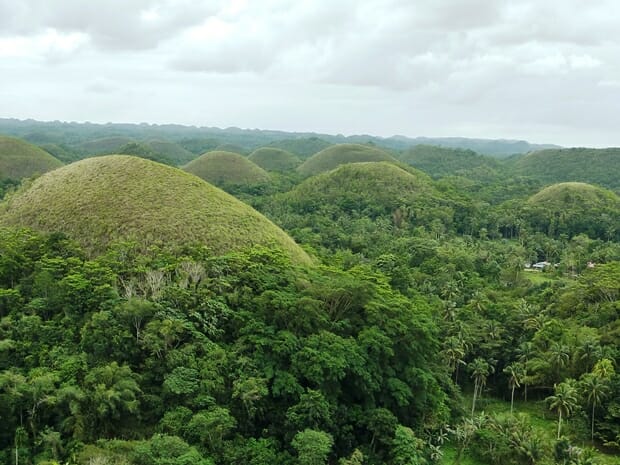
x=19, y=159
x=100, y=200
x=225, y=168
x=341, y=154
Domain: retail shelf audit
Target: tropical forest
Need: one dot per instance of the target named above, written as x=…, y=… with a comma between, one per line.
x=181, y=295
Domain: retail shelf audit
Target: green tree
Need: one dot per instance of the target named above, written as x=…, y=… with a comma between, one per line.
x=563, y=401
x=595, y=391
x=480, y=370
x=515, y=373
x=312, y=446
x=407, y=449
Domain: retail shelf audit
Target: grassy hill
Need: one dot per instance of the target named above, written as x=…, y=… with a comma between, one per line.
x=340, y=154
x=198, y=145
x=303, y=147
x=222, y=168
x=594, y=166
x=443, y=161
x=372, y=187
x=138, y=149
x=575, y=207
x=99, y=200
x=274, y=159
x=103, y=145
x=19, y=159
x=228, y=147
x=170, y=150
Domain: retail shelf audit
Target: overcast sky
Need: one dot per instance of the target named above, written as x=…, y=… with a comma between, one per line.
x=542, y=70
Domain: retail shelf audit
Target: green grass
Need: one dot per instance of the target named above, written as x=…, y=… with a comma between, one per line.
x=543, y=421
x=19, y=159
x=225, y=168
x=274, y=159
x=538, y=277
x=100, y=200
x=341, y=154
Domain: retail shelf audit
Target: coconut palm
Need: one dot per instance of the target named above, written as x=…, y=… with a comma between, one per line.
x=480, y=369
x=595, y=390
x=516, y=373
x=563, y=401
x=454, y=352
x=526, y=352
x=559, y=355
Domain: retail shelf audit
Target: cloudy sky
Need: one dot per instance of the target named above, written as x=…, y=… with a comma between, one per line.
x=546, y=71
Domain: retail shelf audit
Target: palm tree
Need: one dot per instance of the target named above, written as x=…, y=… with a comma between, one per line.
x=596, y=390
x=454, y=353
x=480, y=369
x=563, y=401
x=559, y=356
x=589, y=353
x=526, y=351
x=515, y=374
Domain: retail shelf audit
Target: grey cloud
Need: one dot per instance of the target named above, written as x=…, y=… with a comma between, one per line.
x=112, y=24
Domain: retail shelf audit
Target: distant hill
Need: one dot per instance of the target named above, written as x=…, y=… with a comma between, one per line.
x=63, y=152
x=340, y=154
x=229, y=147
x=499, y=148
x=199, y=145
x=142, y=150
x=574, y=207
x=225, y=168
x=102, y=199
x=594, y=166
x=360, y=205
x=303, y=147
x=172, y=151
x=19, y=159
x=274, y=159
x=302, y=144
x=371, y=187
x=442, y=161
x=105, y=145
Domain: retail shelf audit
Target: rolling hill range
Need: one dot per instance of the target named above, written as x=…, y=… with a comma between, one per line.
x=594, y=166
x=104, y=145
x=443, y=161
x=226, y=168
x=274, y=159
x=303, y=147
x=341, y=154
x=100, y=200
x=170, y=150
x=19, y=159
x=577, y=207
x=230, y=147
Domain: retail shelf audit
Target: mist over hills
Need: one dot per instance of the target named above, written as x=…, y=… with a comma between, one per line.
x=73, y=133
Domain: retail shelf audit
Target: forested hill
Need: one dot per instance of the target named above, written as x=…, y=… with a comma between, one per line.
x=594, y=166
x=73, y=134
x=362, y=312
